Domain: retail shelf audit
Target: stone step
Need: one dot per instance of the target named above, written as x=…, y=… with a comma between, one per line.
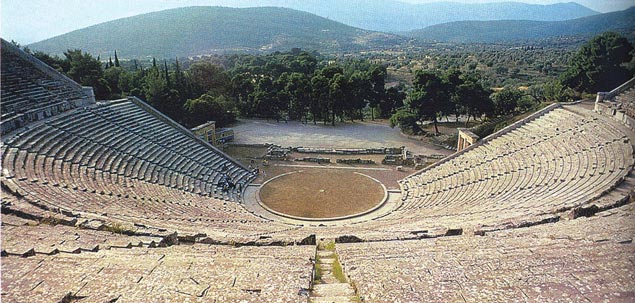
x=333, y=299
x=333, y=290
x=326, y=279
x=325, y=254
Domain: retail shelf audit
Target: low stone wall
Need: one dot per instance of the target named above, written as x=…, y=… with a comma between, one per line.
x=608, y=110
x=314, y=160
x=355, y=161
x=350, y=151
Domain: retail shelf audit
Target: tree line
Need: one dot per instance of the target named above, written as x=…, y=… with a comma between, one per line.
x=292, y=85
x=302, y=86
x=602, y=64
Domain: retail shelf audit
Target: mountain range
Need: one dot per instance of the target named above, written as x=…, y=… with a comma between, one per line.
x=192, y=31
x=396, y=16
x=519, y=30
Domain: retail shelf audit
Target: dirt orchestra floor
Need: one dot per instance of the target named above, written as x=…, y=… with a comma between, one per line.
x=322, y=193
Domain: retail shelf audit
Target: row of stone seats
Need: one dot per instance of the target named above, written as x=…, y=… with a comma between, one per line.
x=25, y=237
x=137, y=202
x=24, y=87
x=560, y=160
x=183, y=273
x=118, y=161
x=128, y=142
x=569, y=261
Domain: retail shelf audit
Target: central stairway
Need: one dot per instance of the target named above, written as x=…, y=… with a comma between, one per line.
x=331, y=285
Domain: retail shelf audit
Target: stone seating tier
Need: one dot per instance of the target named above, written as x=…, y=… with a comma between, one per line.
x=25, y=87
x=569, y=261
x=183, y=273
x=93, y=160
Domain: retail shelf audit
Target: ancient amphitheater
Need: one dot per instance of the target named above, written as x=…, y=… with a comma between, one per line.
x=114, y=202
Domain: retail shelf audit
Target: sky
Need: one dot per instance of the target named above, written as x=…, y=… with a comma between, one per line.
x=28, y=21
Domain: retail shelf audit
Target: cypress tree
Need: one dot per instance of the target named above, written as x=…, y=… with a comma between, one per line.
x=154, y=62
x=177, y=75
x=109, y=65
x=135, y=65
x=167, y=73
x=116, y=59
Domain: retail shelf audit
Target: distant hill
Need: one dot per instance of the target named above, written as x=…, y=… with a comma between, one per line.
x=195, y=31
x=397, y=16
x=394, y=16
x=509, y=31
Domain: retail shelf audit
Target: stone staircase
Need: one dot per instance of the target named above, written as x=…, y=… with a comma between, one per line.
x=331, y=285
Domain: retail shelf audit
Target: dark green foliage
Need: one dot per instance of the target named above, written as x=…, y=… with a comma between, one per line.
x=112, y=76
x=429, y=96
x=265, y=99
x=319, y=97
x=470, y=98
x=393, y=100
x=208, y=77
x=377, y=78
x=435, y=95
x=338, y=88
x=209, y=108
x=406, y=120
x=292, y=86
x=116, y=60
x=599, y=64
x=506, y=101
x=85, y=69
x=276, y=86
x=551, y=91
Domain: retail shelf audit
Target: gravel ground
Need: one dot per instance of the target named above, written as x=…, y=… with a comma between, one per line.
x=342, y=135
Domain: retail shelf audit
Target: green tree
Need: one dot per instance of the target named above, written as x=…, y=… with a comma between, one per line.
x=337, y=96
x=394, y=100
x=506, y=100
x=428, y=96
x=599, y=64
x=242, y=87
x=473, y=99
x=377, y=78
x=319, y=97
x=125, y=82
x=116, y=60
x=406, y=120
x=155, y=89
x=359, y=92
x=85, y=69
x=265, y=99
x=298, y=86
x=555, y=91
x=52, y=61
x=209, y=108
x=207, y=77
x=112, y=76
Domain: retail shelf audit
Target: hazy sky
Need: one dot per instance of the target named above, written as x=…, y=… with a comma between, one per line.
x=28, y=21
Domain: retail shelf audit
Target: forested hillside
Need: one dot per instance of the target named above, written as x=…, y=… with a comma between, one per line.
x=196, y=31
